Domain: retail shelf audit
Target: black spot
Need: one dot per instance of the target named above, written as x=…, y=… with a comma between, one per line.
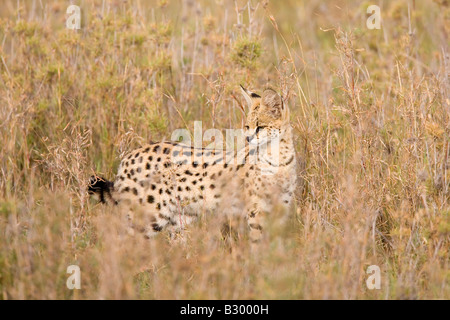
x=132, y=161
x=161, y=216
x=137, y=155
x=126, y=189
x=139, y=169
x=160, y=191
x=225, y=165
x=212, y=186
x=156, y=227
x=205, y=174
x=168, y=192
x=213, y=176
x=150, y=199
x=183, y=180
x=188, y=189
x=147, y=150
x=205, y=165
x=195, y=164
x=202, y=187
x=135, y=192
x=194, y=182
x=188, y=172
x=147, y=166
x=127, y=163
x=153, y=187
x=289, y=162
x=158, y=206
x=159, y=159
x=166, y=164
x=132, y=172
x=150, y=158
x=155, y=149
x=217, y=196
x=255, y=226
x=166, y=151
x=179, y=189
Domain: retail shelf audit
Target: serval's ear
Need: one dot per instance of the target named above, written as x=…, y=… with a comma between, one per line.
x=272, y=101
x=249, y=96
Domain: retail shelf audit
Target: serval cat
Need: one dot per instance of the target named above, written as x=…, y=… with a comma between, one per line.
x=171, y=184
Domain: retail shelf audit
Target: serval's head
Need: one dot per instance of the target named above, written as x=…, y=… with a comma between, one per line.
x=267, y=118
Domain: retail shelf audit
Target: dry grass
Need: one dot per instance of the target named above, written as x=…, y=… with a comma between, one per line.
x=371, y=113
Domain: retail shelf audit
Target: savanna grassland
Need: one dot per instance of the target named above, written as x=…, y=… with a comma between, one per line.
x=371, y=116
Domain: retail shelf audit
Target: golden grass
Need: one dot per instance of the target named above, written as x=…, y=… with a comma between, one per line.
x=371, y=114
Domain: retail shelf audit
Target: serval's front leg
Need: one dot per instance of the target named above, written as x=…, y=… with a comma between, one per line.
x=255, y=218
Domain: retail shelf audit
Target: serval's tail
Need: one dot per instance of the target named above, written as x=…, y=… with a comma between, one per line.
x=102, y=189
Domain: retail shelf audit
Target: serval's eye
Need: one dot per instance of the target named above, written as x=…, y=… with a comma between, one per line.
x=259, y=128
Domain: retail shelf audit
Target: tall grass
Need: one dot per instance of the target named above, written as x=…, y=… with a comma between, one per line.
x=371, y=113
